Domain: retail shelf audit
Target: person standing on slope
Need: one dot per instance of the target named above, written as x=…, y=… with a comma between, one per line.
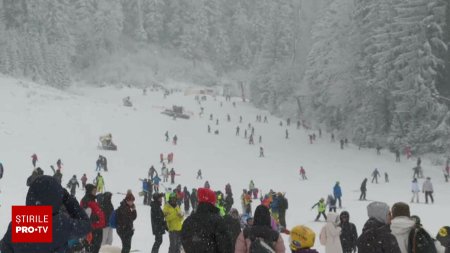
x=125, y=215
x=427, y=188
x=73, y=183
x=363, y=189
x=330, y=234
x=159, y=225
x=303, y=173
x=375, y=175
x=349, y=234
x=321, y=208
x=337, y=193
x=96, y=215
x=415, y=190
x=34, y=159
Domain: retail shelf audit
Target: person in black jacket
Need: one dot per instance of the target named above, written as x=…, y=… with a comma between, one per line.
x=205, y=231
x=376, y=234
x=363, y=189
x=125, y=216
x=283, y=206
x=348, y=233
x=37, y=172
x=159, y=225
x=68, y=224
x=194, y=200
x=107, y=208
x=233, y=225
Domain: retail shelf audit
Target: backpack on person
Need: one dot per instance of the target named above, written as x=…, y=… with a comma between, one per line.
x=369, y=242
x=113, y=220
x=258, y=244
x=420, y=241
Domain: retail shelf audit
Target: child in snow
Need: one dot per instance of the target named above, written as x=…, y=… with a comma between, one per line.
x=321, y=208
x=331, y=203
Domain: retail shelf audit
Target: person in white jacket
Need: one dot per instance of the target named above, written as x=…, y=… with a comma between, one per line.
x=427, y=188
x=330, y=234
x=415, y=190
x=401, y=225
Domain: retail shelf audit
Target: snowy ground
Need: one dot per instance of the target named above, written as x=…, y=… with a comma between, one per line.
x=55, y=124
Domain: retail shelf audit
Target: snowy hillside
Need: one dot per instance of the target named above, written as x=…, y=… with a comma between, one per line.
x=56, y=124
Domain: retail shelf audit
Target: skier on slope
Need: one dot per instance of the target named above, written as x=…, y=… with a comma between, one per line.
x=34, y=159
x=100, y=183
x=337, y=193
x=156, y=180
x=261, y=151
x=151, y=172
x=1, y=170
x=303, y=173
x=167, y=135
x=209, y=129
x=172, y=176
x=363, y=189
x=321, y=208
x=386, y=177
x=199, y=174
x=416, y=173
x=59, y=164
x=331, y=203
x=237, y=131
x=72, y=184
x=375, y=175
x=397, y=155
x=84, y=180
x=250, y=140
x=174, y=140
x=287, y=134
x=58, y=176
x=415, y=190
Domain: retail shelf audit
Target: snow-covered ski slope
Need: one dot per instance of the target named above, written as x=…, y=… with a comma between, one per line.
x=66, y=124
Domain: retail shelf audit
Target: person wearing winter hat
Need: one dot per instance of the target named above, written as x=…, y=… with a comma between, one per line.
x=174, y=219
x=349, y=234
x=302, y=240
x=419, y=239
x=401, y=224
x=443, y=237
x=125, y=215
x=97, y=217
x=376, y=233
x=329, y=235
x=68, y=224
x=159, y=225
x=205, y=230
x=107, y=208
x=261, y=229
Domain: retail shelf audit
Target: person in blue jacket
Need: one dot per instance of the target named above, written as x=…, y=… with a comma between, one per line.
x=338, y=193
x=73, y=223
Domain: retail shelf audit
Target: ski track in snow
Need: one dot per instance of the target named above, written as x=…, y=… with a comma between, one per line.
x=56, y=124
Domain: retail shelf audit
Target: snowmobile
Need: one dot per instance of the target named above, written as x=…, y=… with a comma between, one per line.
x=106, y=143
x=176, y=112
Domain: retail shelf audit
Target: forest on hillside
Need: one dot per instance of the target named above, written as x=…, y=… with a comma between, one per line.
x=376, y=72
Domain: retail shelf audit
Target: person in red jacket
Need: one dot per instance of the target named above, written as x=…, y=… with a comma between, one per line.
x=34, y=159
x=96, y=215
x=84, y=180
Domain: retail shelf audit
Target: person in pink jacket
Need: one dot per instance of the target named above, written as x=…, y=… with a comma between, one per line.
x=262, y=230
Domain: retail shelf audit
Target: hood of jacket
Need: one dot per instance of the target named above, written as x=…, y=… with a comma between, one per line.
x=401, y=227
x=333, y=218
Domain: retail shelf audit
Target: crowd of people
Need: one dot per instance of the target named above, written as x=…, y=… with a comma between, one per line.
x=203, y=220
